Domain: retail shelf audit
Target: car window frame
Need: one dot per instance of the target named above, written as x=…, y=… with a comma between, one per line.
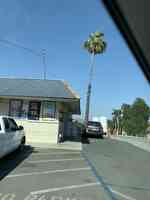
x=96, y=124
x=10, y=120
x=4, y=120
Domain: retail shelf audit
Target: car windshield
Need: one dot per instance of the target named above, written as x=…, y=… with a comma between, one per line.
x=80, y=102
x=94, y=124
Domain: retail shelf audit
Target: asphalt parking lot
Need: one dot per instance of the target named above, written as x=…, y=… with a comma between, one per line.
x=122, y=168
x=48, y=174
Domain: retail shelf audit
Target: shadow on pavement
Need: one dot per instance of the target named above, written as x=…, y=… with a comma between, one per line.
x=72, y=139
x=12, y=160
x=85, y=140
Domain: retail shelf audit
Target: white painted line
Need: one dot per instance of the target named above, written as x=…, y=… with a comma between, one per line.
x=122, y=195
x=54, y=160
x=61, y=153
x=77, y=187
x=48, y=172
x=64, y=188
x=106, y=187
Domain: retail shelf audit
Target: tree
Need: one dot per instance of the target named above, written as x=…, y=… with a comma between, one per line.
x=135, y=117
x=117, y=120
x=132, y=119
x=140, y=115
x=110, y=124
x=126, y=119
x=94, y=45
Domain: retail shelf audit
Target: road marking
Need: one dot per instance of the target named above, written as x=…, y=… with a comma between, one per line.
x=54, y=160
x=123, y=195
x=64, y=188
x=61, y=153
x=106, y=187
x=9, y=196
x=99, y=178
x=76, y=187
x=48, y=172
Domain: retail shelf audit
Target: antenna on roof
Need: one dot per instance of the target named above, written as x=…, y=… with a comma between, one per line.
x=44, y=62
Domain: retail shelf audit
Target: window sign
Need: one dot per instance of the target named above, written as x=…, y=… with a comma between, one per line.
x=49, y=109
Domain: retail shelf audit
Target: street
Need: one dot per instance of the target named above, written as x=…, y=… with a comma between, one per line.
x=105, y=169
x=123, y=169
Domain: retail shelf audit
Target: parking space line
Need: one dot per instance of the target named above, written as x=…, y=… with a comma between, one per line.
x=55, y=160
x=64, y=188
x=99, y=178
x=106, y=187
x=48, y=172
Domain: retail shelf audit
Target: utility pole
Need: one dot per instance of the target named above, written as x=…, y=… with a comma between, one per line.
x=36, y=53
x=88, y=95
x=44, y=62
x=87, y=109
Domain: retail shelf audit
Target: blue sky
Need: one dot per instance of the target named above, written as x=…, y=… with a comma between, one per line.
x=61, y=27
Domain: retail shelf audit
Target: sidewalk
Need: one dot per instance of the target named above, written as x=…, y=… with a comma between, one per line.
x=138, y=142
x=68, y=145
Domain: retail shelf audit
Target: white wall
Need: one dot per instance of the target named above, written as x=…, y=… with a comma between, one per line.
x=37, y=131
x=40, y=131
x=4, y=107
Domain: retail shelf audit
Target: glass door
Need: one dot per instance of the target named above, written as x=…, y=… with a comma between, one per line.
x=34, y=110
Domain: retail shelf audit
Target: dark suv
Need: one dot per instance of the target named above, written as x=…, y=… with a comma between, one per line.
x=94, y=129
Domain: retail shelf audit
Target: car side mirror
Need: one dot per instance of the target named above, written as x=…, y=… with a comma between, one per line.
x=20, y=128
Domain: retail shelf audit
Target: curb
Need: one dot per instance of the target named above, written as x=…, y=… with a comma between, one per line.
x=62, y=146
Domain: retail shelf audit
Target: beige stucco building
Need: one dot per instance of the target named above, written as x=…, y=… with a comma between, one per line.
x=43, y=107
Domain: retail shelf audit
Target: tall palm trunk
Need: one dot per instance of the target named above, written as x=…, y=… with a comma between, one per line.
x=88, y=96
x=118, y=126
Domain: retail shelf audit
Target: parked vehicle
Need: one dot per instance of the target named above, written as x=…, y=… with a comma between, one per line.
x=12, y=136
x=94, y=129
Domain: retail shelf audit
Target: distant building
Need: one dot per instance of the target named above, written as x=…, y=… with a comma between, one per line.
x=103, y=121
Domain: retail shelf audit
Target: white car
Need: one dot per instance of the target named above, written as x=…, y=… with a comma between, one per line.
x=12, y=136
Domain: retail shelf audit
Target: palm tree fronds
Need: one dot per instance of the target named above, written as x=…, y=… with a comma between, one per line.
x=95, y=44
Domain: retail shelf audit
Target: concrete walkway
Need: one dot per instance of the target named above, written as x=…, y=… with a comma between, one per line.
x=68, y=145
x=141, y=143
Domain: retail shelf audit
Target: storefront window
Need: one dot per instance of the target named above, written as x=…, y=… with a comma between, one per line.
x=34, y=110
x=24, y=112
x=15, y=108
x=49, y=109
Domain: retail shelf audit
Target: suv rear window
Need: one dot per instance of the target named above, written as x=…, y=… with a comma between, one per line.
x=94, y=123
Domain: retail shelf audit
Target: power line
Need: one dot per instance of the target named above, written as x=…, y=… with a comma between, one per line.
x=41, y=54
x=21, y=47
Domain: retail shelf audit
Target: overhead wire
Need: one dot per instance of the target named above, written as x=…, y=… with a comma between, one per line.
x=41, y=54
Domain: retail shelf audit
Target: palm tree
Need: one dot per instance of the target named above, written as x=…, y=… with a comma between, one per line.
x=117, y=116
x=94, y=45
